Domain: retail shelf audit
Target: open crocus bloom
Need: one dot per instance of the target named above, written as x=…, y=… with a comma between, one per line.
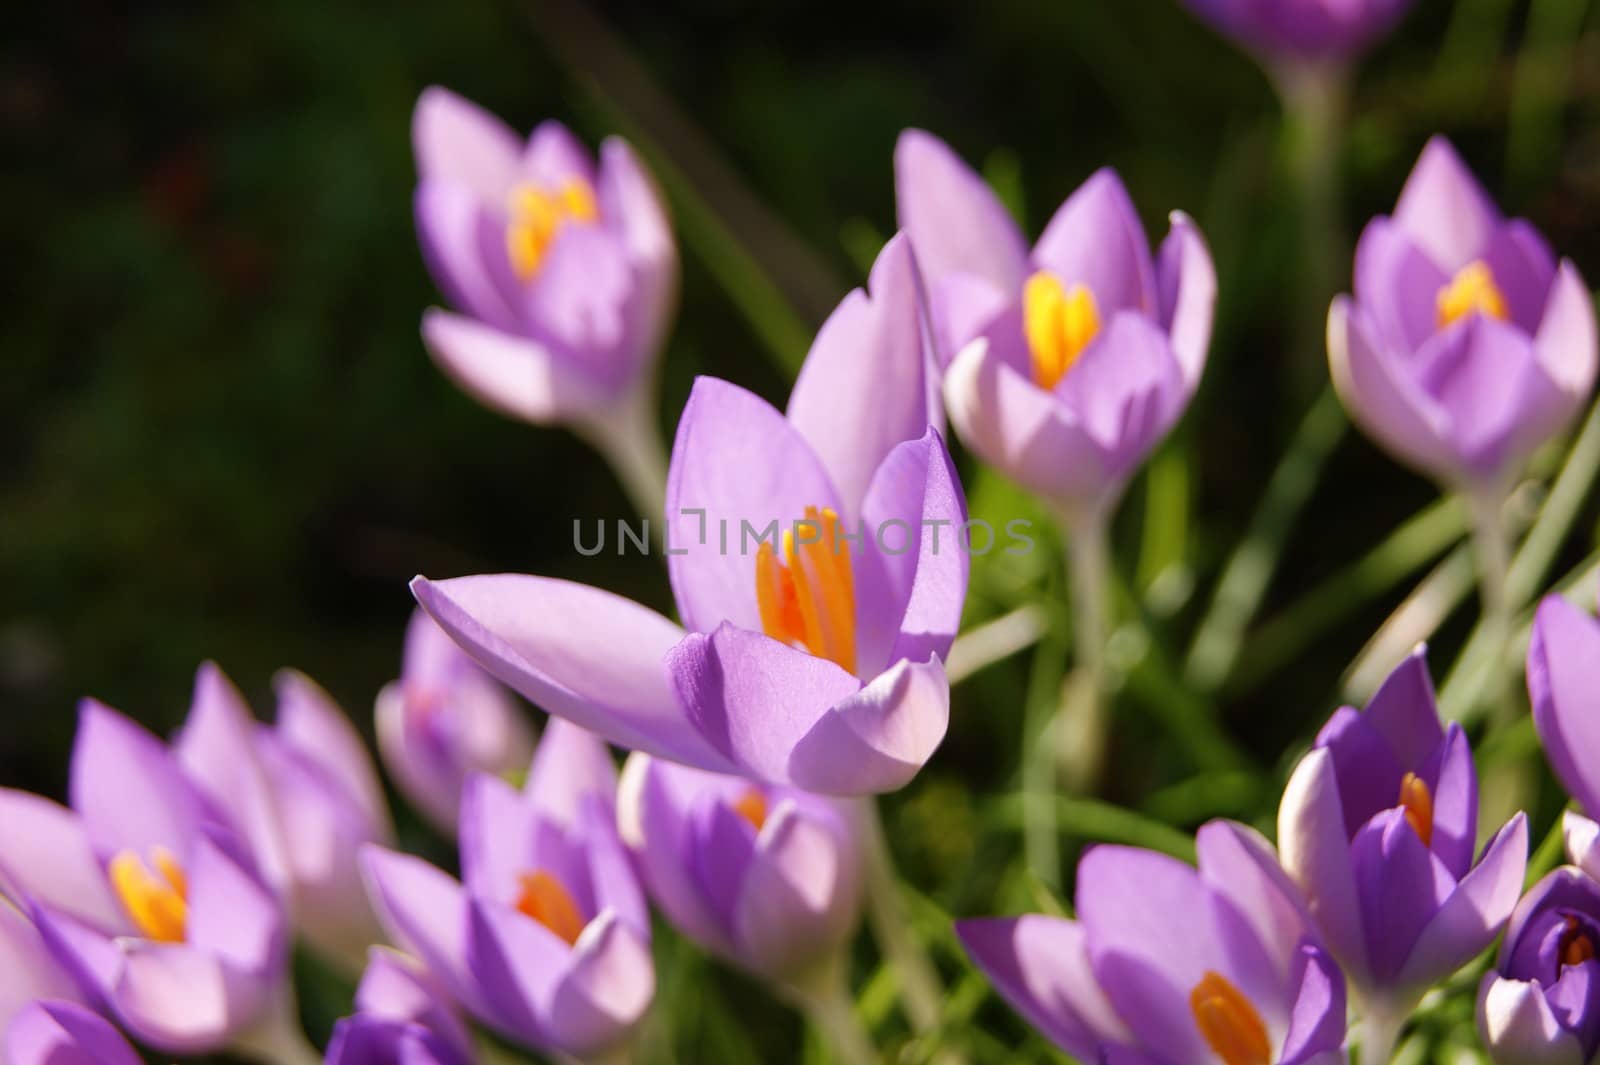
x=768, y=878
x=564, y=272
x=1466, y=345
x=442, y=721
x=1169, y=966
x=1299, y=30
x=1563, y=668
x=1541, y=1003
x=546, y=937
x=805, y=659
x=1069, y=363
x=1378, y=826
x=401, y=1018
x=55, y=1032
x=141, y=892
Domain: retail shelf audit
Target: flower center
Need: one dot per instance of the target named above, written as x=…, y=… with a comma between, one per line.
x=546, y=900
x=1576, y=946
x=1059, y=323
x=808, y=599
x=1417, y=801
x=1471, y=291
x=1230, y=1025
x=156, y=899
x=752, y=806
x=537, y=214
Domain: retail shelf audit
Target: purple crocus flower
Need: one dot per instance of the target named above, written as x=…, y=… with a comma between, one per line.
x=767, y=878
x=1069, y=363
x=546, y=937
x=1541, y=1003
x=1378, y=826
x=1466, y=345
x=401, y=1018
x=805, y=659
x=144, y=892
x=1167, y=965
x=444, y=720
x=1302, y=30
x=55, y=1032
x=565, y=272
x=1563, y=659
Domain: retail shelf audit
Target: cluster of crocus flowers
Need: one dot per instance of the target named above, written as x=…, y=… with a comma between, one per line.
x=817, y=563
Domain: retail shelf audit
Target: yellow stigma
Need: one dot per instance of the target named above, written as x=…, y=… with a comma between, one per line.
x=537, y=215
x=1228, y=1022
x=1471, y=291
x=157, y=901
x=1417, y=801
x=808, y=599
x=544, y=898
x=1059, y=323
x=752, y=806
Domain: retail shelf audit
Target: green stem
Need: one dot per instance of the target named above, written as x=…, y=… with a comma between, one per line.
x=1379, y=1029
x=1492, y=549
x=628, y=438
x=276, y=1038
x=1080, y=729
x=825, y=1000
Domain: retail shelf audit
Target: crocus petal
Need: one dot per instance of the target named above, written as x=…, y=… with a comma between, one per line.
x=180, y=999
x=231, y=915
x=455, y=232
x=612, y=876
x=578, y=652
x=799, y=899
x=577, y=306
x=569, y=766
x=27, y=970
x=513, y=375
x=1499, y=403
x=1518, y=1027
x=45, y=856
x=88, y=954
x=604, y=993
x=1582, y=838
x=1397, y=283
x=1388, y=404
x=1444, y=209
x=1096, y=240
x=1318, y=1023
x=1040, y=965
x=1404, y=710
x=955, y=221
x=1523, y=268
x=425, y=911
x=1186, y=281
x=63, y=1033
x=127, y=786
x=395, y=988
x=1126, y=390
x=457, y=141
x=876, y=740
x=1401, y=884
x=1455, y=804
x=312, y=724
x=1566, y=702
x=631, y=204
x=1241, y=865
x=497, y=832
x=1315, y=851
x=554, y=156
x=1565, y=342
x=736, y=464
x=516, y=963
x=1475, y=913
x=866, y=384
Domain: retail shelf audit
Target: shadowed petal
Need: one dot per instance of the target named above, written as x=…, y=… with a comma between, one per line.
x=1387, y=403
x=1317, y=1024
x=455, y=232
x=1397, y=283
x=457, y=141
x=604, y=993
x=232, y=915
x=27, y=970
x=1186, y=281
x=577, y=306
x=1096, y=240
x=631, y=205
x=516, y=376
x=425, y=911
x=1517, y=1025
x=799, y=899
x=955, y=221
x=1474, y=914
x=1315, y=851
x=63, y=1033
x=1402, y=886
x=1562, y=654
x=1455, y=804
x=1241, y=865
x=1405, y=712
x=876, y=740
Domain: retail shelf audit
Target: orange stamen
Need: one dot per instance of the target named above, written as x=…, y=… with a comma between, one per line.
x=537, y=215
x=1228, y=1022
x=752, y=806
x=156, y=901
x=545, y=900
x=1417, y=801
x=1576, y=946
x=808, y=598
x=1059, y=324
x=1471, y=291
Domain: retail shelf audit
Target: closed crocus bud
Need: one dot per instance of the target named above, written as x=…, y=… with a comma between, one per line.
x=1466, y=345
x=546, y=937
x=1302, y=30
x=54, y=1032
x=1068, y=363
x=1378, y=826
x=1538, y=1006
x=401, y=1018
x=767, y=878
x=444, y=720
x=563, y=270
x=1564, y=684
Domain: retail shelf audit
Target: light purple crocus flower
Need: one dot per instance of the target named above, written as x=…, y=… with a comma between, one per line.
x=767, y=878
x=1540, y=1005
x=564, y=272
x=1067, y=364
x=56, y=1032
x=444, y=720
x=144, y=891
x=401, y=1018
x=1297, y=31
x=546, y=937
x=804, y=660
x=1466, y=344
x=1167, y=965
x=1563, y=668
x=1378, y=826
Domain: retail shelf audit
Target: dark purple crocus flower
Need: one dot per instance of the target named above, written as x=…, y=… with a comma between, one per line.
x=1378, y=827
x=1289, y=31
x=767, y=878
x=1541, y=1003
x=1563, y=670
x=55, y=1032
x=817, y=562
x=1167, y=965
x=145, y=892
x=565, y=272
x=401, y=1018
x=546, y=938
x=1466, y=345
x=444, y=720
x=1068, y=363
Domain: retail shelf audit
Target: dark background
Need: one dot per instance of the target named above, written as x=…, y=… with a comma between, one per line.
x=222, y=439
